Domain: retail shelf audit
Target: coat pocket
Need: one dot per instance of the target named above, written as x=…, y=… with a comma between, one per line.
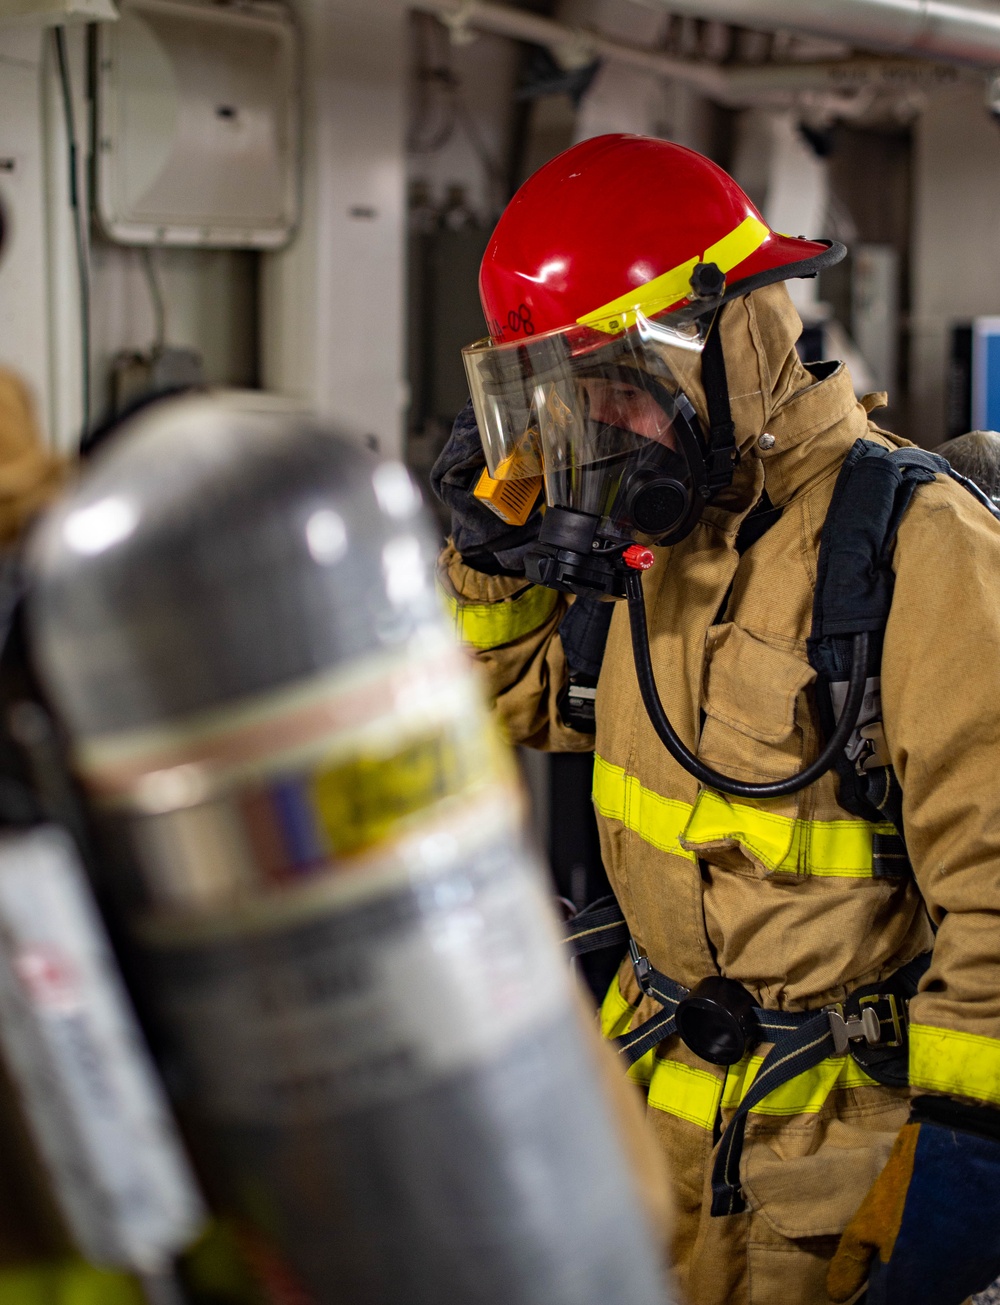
x=754, y=706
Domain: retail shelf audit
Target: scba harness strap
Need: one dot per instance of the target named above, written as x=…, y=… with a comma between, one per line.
x=854, y=588
x=854, y=592
x=870, y=1024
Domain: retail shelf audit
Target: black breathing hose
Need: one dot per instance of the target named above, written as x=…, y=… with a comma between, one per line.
x=712, y=778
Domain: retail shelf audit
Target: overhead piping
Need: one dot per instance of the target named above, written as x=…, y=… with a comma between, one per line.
x=730, y=85
x=964, y=33
x=573, y=45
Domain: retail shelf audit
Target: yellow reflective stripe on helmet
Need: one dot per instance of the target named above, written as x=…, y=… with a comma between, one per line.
x=822, y=848
x=616, y=1019
x=491, y=625
x=670, y=287
x=965, y=1064
x=697, y=1094
x=657, y=820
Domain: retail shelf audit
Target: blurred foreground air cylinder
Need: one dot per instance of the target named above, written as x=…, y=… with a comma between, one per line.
x=344, y=939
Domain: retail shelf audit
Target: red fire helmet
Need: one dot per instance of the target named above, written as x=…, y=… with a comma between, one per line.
x=616, y=225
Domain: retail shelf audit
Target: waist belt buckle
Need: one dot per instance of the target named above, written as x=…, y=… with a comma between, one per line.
x=641, y=967
x=854, y=1027
x=896, y=1018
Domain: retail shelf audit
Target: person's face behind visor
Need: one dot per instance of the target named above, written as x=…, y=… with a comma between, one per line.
x=627, y=407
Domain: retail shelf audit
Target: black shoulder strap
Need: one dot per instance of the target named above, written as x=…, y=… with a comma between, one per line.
x=854, y=589
x=721, y=455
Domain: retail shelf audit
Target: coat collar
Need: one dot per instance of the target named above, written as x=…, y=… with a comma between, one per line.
x=813, y=432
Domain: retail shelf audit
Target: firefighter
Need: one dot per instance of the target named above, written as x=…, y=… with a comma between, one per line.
x=977, y=456
x=642, y=359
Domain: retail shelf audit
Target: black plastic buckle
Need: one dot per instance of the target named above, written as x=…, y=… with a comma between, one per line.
x=722, y=454
x=641, y=967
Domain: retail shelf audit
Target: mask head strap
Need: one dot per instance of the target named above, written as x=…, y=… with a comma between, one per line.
x=721, y=456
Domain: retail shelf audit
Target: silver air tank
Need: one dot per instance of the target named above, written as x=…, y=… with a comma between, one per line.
x=345, y=941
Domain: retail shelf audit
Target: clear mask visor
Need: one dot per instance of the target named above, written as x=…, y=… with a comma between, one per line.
x=574, y=397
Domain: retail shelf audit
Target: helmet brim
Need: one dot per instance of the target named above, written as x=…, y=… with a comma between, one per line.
x=784, y=258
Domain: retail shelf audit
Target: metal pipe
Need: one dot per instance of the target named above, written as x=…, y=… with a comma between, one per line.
x=966, y=33
x=520, y=25
x=751, y=83
x=733, y=86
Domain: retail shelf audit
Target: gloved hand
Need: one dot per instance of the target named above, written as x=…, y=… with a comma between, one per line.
x=928, y=1232
x=485, y=542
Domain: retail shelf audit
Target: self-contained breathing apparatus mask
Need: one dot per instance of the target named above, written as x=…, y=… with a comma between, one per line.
x=606, y=424
x=600, y=417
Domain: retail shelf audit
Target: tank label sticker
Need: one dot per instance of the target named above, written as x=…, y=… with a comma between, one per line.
x=182, y=762
x=277, y=832
x=92, y=1098
x=350, y=1007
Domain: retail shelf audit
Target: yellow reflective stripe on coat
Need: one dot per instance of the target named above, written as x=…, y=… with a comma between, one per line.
x=658, y=820
x=671, y=287
x=824, y=848
x=964, y=1064
x=491, y=625
x=697, y=1094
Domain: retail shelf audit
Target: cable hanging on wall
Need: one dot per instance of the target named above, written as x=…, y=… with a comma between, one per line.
x=79, y=212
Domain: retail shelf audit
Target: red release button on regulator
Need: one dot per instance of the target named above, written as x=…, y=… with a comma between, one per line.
x=638, y=558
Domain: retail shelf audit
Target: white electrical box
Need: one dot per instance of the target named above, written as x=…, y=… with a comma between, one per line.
x=198, y=124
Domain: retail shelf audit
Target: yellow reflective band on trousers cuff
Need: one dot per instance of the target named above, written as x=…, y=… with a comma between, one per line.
x=783, y=844
x=963, y=1064
x=674, y=285
x=491, y=625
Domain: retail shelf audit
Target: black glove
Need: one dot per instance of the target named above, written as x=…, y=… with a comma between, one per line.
x=485, y=542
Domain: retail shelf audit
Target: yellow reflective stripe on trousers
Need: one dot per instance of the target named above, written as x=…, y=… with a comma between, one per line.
x=824, y=848
x=696, y=1094
x=491, y=625
x=670, y=287
x=616, y=1019
x=965, y=1064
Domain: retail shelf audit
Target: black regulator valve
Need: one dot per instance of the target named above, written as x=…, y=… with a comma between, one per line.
x=716, y=1020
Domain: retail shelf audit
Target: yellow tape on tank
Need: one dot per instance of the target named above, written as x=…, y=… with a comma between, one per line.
x=671, y=287
x=68, y=1284
x=361, y=801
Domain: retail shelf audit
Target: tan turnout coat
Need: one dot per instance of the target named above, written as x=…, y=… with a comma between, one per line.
x=779, y=894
